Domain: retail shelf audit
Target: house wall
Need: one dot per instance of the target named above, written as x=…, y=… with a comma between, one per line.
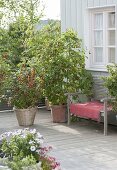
x=74, y=15
x=71, y=13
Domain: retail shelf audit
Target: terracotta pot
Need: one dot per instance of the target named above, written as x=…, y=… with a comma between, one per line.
x=58, y=113
x=26, y=117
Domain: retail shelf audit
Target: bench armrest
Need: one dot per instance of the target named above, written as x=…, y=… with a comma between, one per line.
x=107, y=99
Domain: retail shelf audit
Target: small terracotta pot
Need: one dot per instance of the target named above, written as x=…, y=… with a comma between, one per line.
x=58, y=113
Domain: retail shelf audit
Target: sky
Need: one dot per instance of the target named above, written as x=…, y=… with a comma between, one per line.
x=52, y=9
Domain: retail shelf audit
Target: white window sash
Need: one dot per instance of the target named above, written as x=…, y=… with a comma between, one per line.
x=105, y=12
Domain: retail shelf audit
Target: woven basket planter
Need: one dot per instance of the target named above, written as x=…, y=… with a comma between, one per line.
x=26, y=117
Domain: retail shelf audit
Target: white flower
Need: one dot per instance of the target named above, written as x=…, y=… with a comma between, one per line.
x=26, y=130
x=31, y=142
x=41, y=141
x=32, y=148
x=37, y=140
x=33, y=131
x=19, y=131
x=23, y=136
x=39, y=135
x=15, y=133
x=3, y=136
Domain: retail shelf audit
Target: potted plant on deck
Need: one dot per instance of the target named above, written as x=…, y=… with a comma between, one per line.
x=4, y=71
x=66, y=73
x=23, y=149
x=24, y=85
x=55, y=88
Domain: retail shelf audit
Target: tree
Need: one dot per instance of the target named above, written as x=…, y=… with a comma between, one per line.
x=31, y=10
x=66, y=69
x=20, y=29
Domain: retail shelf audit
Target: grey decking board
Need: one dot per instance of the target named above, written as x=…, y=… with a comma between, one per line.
x=75, y=151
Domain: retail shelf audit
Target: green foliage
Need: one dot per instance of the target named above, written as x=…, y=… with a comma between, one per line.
x=45, y=42
x=3, y=42
x=57, y=60
x=4, y=72
x=66, y=70
x=111, y=83
x=23, y=150
x=15, y=38
x=31, y=10
x=19, y=146
x=18, y=35
x=17, y=164
x=25, y=86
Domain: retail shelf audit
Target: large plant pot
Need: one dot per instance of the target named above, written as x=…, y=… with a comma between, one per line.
x=58, y=113
x=26, y=117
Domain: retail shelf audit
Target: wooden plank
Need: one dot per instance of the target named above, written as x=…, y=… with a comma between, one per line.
x=90, y=3
x=74, y=15
x=79, y=17
x=114, y=1
x=96, y=3
x=103, y=2
x=63, y=15
x=109, y=2
x=68, y=13
x=74, y=145
x=99, y=90
x=85, y=30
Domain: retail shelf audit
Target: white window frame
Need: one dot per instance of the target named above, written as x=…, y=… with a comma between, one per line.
x=89, y=62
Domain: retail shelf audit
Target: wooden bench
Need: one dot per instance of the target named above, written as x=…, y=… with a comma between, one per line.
x=95, y=109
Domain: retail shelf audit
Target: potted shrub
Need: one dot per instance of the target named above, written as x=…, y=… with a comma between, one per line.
x=66, y=73
x=110, y=83
x=24, y=85
x=4, y=71
x=24, y=149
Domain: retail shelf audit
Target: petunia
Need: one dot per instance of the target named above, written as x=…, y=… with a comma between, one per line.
x=32, y=148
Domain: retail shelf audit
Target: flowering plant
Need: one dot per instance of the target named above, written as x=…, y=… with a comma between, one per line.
x=24, y=148
x=24, y=85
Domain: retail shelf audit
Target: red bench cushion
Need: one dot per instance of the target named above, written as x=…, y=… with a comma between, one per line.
x=89, y=110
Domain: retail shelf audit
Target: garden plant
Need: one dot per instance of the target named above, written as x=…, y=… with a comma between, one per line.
x=110, y=83
x=66, y=71
x=24, y=149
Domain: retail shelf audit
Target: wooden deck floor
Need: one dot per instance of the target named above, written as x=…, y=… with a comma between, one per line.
x=81, y=146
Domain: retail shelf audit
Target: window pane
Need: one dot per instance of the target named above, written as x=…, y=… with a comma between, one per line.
x=111, y=55
x=98, y=21
x=111, y=37
x=98, y=38
x=111, y=20
x=98, y=55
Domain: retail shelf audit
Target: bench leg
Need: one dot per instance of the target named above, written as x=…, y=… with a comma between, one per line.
x=105, y=118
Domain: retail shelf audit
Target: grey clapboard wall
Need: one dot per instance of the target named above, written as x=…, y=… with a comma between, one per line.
x=73, y=12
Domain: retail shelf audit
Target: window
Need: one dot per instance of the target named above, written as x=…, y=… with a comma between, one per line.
x=102, y=37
